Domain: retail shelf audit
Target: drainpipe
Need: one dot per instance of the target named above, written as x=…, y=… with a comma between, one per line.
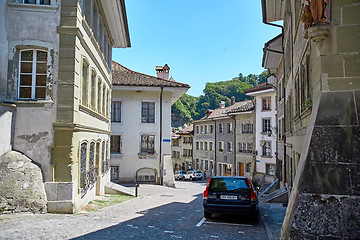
x=161, y=164
x=234, y=146
x=215, y=165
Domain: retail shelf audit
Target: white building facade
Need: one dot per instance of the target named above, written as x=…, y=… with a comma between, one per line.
x=141, y=125
x=265, y=129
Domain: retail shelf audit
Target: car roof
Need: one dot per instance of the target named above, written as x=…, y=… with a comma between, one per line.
x=230, y=177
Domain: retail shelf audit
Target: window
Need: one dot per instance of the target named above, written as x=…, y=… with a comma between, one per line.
x=115, y=144
x=266, y=148
x=211, y=129
x=33, y=69
x=210, y=146
x=206, y=129
x=206, y=146
x=266, y=124
x=201, y=129
x=116, y=111
x=114, y=173
x=221, y=146
x=197, y=145
x=39, y=2
x=147, y=144
x=148, y=112
x=85, y=72
x=249, y=147
x=248, y=167
x=221, y=128
x=99, y=96
x=270, y=169
x=247, y=128
x=201, y=146
x=266, y=104
x=229, y=127
x=229, y=147
x=241, y=147
x=92, y=89
x=197, y=129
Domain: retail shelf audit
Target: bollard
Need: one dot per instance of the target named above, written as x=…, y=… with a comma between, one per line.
x=136, y=189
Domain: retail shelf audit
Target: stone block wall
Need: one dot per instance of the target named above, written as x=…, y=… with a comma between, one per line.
x=325, y=200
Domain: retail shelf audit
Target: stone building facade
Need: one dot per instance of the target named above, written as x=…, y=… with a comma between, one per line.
x=218, y=139
x=244, y=130
x=320, y=80
x=182, y=148
x=56, y=83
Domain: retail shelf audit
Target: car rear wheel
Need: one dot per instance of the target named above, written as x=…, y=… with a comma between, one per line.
x=207, y=214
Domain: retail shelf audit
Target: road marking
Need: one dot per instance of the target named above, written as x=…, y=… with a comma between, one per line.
x=151, y=226
x=174, y=236
x=201, y=222
x=231, y=224
x=168, y=231
x=214, y=236
x=241, y=232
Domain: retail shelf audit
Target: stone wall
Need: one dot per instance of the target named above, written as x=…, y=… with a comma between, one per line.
x=21, y=184
x=325, y=202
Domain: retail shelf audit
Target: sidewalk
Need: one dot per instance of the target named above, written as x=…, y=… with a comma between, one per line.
x=272, y=214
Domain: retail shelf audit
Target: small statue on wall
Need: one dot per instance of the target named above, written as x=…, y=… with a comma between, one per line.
x=315, y=12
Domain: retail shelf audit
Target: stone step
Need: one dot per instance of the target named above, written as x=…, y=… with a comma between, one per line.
x=279, y=196
x=114, y=188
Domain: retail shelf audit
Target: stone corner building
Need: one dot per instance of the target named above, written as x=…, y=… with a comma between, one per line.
x=55, y=91
x=318, y=86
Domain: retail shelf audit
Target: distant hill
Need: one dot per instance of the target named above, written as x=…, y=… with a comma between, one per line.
x=189, y=108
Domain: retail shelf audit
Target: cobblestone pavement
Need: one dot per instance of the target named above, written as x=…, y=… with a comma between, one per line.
x=158, y=213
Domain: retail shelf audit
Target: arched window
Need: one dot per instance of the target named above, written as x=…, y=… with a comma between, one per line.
x=32, y=74
x=84, y=176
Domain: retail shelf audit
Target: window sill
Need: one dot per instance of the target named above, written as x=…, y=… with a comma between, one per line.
x=33, y=7
x=147, y=155
x=93, y=113
x=31, y=103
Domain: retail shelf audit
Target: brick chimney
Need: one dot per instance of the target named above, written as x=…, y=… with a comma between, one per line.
x=222, y=104
x=163, y=72
x=232, y=100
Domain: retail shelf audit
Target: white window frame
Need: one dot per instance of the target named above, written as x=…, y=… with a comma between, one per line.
x=33, y=73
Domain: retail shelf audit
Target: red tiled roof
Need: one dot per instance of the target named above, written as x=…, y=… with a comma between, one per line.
x=259, y=87
x=122, y=76
x=186, y=130
x=243, y=106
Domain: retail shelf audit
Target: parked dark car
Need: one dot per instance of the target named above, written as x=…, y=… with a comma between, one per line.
x=230, y=195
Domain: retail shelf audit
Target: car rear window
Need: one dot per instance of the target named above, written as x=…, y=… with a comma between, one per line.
x=228, y=185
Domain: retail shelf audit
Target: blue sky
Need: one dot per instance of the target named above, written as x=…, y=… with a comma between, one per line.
x=201, y=40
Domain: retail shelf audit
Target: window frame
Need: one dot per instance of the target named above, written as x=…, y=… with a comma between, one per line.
x=113, y=145
x=147, y=144
x=266, y=104
x=146, y=118
x=33, y=74
x=114, y=112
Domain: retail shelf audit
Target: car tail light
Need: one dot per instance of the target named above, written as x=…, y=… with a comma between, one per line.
x=205, y=194
x=252, y=193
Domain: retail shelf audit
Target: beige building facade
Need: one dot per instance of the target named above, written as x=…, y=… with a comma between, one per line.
x=56, y=80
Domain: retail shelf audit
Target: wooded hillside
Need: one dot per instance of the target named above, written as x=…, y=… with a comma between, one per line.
x=189, y=108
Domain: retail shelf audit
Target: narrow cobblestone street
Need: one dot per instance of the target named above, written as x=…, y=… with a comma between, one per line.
x=158, y=213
